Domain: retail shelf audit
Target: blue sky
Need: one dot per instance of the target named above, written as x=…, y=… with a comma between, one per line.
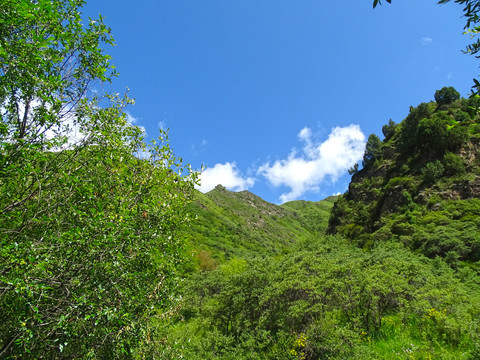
x=276, y=96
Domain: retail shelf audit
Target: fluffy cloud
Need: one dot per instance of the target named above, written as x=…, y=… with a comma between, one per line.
x=225, y=174
x=318, y=160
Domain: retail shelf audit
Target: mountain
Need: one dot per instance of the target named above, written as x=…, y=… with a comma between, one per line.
x=420, y=186
x=237, y=224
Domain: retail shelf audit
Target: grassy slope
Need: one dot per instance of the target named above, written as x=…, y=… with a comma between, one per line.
x=238, y=224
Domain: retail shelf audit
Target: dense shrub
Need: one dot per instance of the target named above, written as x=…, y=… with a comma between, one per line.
x=446, y=95
x=432, y=172
x=327, y=300
x=453, y=164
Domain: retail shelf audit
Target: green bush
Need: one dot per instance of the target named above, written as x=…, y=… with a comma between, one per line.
x=432, y=172
x=328, y=300
x=446, y=95
x=462, y=116
x=456, y=137
x=453, y=164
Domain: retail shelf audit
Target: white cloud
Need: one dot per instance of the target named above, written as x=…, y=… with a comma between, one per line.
x=225, y=174
x=162, y=125
x=134, y=121
x=426, y=40
x=318, y=160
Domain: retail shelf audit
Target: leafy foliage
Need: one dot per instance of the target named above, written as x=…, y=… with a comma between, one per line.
x=432, y=172
x=327, y=300
x=454, y=164
x=446, y=95
x=428, y=163
x=88, y=250
x=409, y=127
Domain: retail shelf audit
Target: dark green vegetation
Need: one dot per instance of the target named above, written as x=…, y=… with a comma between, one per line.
x=88, y=251
x=421, y=187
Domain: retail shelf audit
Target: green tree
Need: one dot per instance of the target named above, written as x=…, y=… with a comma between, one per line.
x=432, y=172
x=88, y=249
x=389, y=129
x=353, y=170
x=409, y=127
x=372, y=149
x=446, y=95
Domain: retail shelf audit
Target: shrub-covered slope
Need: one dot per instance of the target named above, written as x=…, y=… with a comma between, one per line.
x=327, y=299
x=238, y=224
x=421, y=184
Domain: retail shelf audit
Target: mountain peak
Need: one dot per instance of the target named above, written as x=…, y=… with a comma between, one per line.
x=220, y=187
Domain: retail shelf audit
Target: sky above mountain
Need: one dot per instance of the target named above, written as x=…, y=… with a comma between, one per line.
x=276, y=96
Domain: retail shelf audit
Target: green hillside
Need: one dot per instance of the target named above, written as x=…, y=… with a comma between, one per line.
x=240, y=224
x=420, y=186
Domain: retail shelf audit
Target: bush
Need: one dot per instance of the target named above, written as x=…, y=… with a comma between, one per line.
x=453, y=164
x=389, y=129
x=432, y=172
x=456, y=137
x=446, y=95
x=462, y=116
x=472, y=106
